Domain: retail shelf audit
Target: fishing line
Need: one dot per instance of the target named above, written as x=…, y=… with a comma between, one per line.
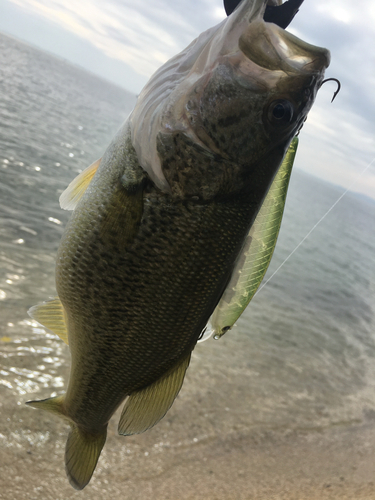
x=316, y=225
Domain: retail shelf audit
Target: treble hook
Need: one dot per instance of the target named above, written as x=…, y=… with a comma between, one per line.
x=338, y=86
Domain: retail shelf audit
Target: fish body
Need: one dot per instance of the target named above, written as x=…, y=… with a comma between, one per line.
x=160, y=222
x=163, y=264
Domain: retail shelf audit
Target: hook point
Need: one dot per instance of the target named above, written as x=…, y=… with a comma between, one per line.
x=338, y=86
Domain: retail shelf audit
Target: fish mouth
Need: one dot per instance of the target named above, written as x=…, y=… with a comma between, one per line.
x=275, y=77
x=265, y=42
x=271, y=47
x=277, y=61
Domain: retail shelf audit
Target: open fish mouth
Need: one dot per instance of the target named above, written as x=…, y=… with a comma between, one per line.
x=256, y=56
x=270, y=46
x=266, y=44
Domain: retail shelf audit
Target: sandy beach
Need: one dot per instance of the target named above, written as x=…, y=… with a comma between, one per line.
x=312, y=464
x=232, y=434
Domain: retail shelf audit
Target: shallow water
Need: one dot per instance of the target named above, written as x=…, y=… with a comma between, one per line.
x=301, y=358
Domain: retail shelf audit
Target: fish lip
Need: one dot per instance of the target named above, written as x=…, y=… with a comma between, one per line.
x=271, y=47
x=246, y=29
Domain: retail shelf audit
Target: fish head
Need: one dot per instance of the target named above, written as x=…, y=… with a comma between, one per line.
x=257, y=97
x=227, y=106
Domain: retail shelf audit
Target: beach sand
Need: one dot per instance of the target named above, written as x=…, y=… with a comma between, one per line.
x=230, y=435
x=313, y=464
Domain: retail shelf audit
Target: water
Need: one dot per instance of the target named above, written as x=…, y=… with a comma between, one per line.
x=299, y=362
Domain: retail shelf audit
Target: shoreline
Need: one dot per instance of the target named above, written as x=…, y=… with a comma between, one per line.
x=333, y=463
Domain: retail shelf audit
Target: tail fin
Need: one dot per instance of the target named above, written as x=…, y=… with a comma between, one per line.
x=81, y=455
x=82, y=449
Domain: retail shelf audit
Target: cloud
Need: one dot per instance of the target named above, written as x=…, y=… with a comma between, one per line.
x=143, y=35
x=337, y=142
x=338, y=146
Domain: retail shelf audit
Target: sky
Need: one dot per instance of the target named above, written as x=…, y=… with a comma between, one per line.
x=125, y=41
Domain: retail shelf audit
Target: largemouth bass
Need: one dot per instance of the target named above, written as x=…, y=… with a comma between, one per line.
x=161, y=223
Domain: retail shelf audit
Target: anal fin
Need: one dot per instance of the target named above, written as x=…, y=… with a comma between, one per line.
x=144, y=408
x=51, y=314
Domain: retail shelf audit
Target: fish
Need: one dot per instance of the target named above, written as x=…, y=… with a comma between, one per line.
x=164, y=223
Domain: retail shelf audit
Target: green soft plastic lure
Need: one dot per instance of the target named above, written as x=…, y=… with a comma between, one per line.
x=257, y=252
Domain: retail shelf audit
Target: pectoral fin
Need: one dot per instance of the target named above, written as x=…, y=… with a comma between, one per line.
x=256, y=255
x=143, y=409
x=51, y=314
x=74, y=192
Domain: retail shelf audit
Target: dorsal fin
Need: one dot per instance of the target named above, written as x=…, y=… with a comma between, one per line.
x=74, y=192
x=51, y=314
x=144, y=408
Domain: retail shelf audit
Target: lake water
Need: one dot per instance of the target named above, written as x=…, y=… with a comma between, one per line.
x=300, y=360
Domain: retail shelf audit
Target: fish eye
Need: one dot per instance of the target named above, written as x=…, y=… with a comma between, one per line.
x=280, y=112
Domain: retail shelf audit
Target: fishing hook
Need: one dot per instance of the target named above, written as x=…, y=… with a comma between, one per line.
x=338, y=86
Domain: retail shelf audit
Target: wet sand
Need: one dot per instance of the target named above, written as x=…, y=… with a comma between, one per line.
x=230, y=435
x=331, y=463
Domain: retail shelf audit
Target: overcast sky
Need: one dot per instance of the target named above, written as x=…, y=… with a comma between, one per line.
x=126, y=41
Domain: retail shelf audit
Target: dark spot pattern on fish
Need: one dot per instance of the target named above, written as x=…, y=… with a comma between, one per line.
x=144, y=276
x=231, y=120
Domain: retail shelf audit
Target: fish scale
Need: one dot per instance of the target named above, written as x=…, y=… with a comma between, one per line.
x=161, y=318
